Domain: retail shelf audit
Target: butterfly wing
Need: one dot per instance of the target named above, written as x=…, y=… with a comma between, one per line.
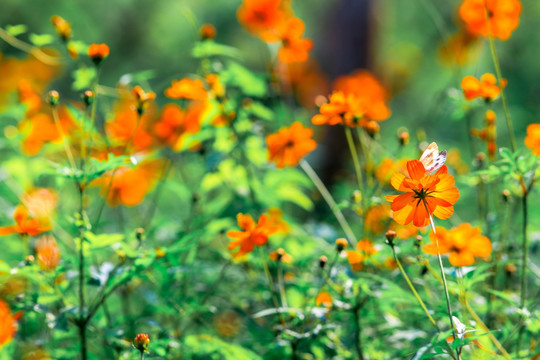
x=432, y=159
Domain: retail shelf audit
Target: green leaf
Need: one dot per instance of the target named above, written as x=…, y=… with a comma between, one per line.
x=15, y=30
x=103, y=240
x=209, y=48
x=83, y=78
x=41, y=40
x=209, y=347
x=238, y=76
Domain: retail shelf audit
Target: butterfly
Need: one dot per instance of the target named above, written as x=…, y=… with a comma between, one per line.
x=432, y=159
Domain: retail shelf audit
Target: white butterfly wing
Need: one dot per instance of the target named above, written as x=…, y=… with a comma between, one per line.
x=432, y=159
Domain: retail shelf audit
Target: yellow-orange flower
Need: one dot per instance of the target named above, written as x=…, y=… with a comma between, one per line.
x=208, y=31
x=7, y=323
x=424, y=195
x=26, y=225
x=253, y=234
x=388, y=167
x=40, y=202
x=364, y=249
x=377, y=217
x=62, y=27
x=485, y=88
x=142, y=97
x=276, y=218
x=289, y=145
x=460, y=48
x=324, y=299
x=532, y=141
x=280, y=255
x=48, y=255
x=186, y=89
x=463, y=243
x=498, y=17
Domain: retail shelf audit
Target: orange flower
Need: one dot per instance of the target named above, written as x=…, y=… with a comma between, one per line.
x=142, y=97
x=502, y=17
x=25, y=225
x=358, y=100
x=486, y=87
x=364, y=249
x=425, y=195
x=403, y=231
x=41, y=129
x=186, y=89
x=460, y=48
x=324, y=299
x=463, y=243
x=293, y=47
x=7, y=323
x=532, y=141
x=48, y=255
x=175, y=124
x=127, y=128
x=280, y=255
x=98, y=52
x=377, y=217
x=129, y=185
x=40, y=202
x=276, y=218
x=252, y=234
x=306, y=79
x=390, y=263
x=289, y=145
x=369, y=92
x=388, y=167
x=262, y=17
x=62, y=27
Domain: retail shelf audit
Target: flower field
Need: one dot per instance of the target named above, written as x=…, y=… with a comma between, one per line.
x=269, y=179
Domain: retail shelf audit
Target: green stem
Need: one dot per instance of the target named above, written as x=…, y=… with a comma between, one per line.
x=443, y=276
x=354, y=155
x=415, y=293
x=83, y=321
x=281, y=284
x=499, y=78
x=524, y=260
x=271, y=285
x=67, y=149
x=329, y=200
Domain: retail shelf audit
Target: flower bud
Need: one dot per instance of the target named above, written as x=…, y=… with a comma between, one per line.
x=53, y=97
x=341, y=244
x=141, y=342
x=208, y=32
x=390, y=236
x=88, y=97
x=372, y=128
x=139, y=234
x=98, y=52
x=506, y=195
x=62, y=27
x=322, y=261
x=403, y=137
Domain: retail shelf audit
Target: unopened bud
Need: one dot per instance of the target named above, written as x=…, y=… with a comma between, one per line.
x=403, y=137
x=372, y=128
x=208, y=32
x=53, y=97
x=506, y=195
x=322, y=261
x=139, y=233
x=98, y=52
x=341, y=244
x=29, y=260
x=141, y=342
x=390, y=236
x=88, y=97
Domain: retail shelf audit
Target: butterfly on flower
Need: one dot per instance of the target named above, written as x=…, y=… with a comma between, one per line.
x=432, y=158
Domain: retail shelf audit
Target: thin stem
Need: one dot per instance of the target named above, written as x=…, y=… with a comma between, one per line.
x=524, y=260
x=443, y=276
x=499, y=79
x=142, y=355
x=415, y=293
x=281, y=284
x=329, y=200
x=271, y=285
x=358, y=332
x=354, y=155
x=30, y=49
x=83, y=320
